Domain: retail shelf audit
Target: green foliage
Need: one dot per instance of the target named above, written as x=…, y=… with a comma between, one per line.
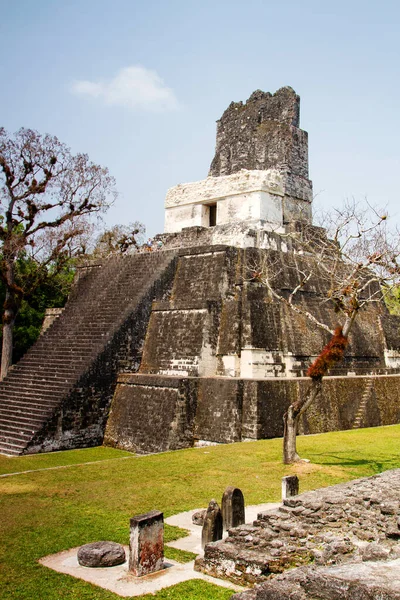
x=392, y=299
x=49, y=289
x=71, y=498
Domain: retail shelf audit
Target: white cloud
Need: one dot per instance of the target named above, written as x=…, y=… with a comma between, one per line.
x=133, y=87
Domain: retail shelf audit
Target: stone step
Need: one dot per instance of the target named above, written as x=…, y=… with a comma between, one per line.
x=30, y=400
x=29, y=403
x=17, y=438
x=45, y=366
x=47, y=375
x=28, y=394
x=72, y=346
x=16, y=412
x=55, y=356
x=27, y=420
x=11, y=449
x=27, y=406
x=27, y=379
x=18, y=428
x=37, y=383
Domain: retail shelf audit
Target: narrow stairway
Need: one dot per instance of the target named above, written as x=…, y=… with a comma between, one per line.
x=359, y=418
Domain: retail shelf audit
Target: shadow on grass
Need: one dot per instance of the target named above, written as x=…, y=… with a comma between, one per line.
x=344, y=460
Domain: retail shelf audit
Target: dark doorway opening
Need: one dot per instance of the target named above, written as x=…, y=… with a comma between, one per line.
x=213, y=215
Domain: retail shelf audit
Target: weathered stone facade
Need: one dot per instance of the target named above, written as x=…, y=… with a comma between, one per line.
x=338, y=530
x=264, y=134
x=222, y=361
x=158, y=413
x=259, y=174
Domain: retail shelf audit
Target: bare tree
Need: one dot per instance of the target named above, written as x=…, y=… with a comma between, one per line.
x=357, y=263
x=119, y=239
x=43, y=188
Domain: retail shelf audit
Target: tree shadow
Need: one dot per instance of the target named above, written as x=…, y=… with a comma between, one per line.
x=344, y=460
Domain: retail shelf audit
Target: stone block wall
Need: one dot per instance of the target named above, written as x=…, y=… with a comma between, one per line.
x=182, y=336
x=153, y=414
x=229, y=359
x=219, y=410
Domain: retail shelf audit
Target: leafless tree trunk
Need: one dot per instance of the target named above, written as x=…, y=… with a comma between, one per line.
x=291, y=421
x=7, y=347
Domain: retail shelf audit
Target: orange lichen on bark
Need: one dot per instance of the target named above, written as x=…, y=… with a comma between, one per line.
x=330, y=355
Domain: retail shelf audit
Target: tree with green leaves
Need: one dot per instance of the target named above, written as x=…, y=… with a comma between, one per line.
x=46, y=196
x=51, y=289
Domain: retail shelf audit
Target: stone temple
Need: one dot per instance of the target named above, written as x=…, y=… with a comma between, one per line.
x=181, y=346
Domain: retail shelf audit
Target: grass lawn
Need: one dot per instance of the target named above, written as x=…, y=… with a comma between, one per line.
x=67, y=499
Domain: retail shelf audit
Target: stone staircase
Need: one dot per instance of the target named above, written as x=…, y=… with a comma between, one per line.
x=76, y=360
x=360, y=414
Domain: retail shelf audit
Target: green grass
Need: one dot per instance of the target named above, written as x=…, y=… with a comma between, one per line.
x=57, y=459
x=46, y=511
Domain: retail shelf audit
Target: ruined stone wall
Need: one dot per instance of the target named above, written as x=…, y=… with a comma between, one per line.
x=344, y=539
x=262, y=134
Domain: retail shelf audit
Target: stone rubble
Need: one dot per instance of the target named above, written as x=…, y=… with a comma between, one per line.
x=199, y=516
x=350, y=581
x=357, y=521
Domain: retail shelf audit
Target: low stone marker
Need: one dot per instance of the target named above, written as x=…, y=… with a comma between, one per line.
x=146, y=543
x=212, y=526
x=101, y=554
x=232, y=508
x=290, y=486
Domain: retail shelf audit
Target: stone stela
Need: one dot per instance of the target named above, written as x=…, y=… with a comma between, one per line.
x=212, y=526
x=290, y=486
x=146, y=543
x=232, y=508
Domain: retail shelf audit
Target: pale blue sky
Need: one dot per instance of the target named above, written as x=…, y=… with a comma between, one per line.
x=138, y=85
